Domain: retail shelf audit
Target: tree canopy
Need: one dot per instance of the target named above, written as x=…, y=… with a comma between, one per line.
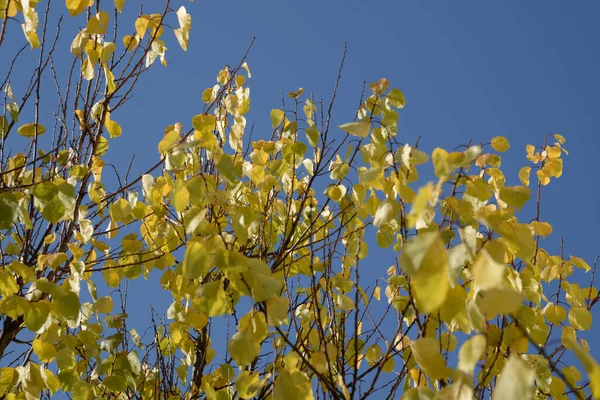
x=263, y=239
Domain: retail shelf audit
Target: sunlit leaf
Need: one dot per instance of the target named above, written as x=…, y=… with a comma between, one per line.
x=76, y=7
x=500, y=143
x=31, y=130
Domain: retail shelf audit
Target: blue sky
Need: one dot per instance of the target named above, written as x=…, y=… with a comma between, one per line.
x=473, y=69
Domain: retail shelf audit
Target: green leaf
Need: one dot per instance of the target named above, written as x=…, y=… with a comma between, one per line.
x=498, y=301
x=360, y=129
x=515, y=381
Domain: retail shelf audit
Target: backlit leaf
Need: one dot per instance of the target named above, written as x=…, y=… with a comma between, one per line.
x=515, y=381
x=360, y=129
x=427, y=354
x=580, y=318
x=471, y=353
x=425, y=260
x=580, y=263
x=45, y=351
x=515, y=196
x=243, y=348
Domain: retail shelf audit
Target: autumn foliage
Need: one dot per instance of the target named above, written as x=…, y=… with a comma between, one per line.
x=266, y=245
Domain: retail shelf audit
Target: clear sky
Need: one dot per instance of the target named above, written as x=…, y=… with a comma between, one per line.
x=469, y=69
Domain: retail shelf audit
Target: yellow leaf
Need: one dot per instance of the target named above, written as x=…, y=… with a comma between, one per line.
x=119, y=4
x=213, y=299
x=555, y=314
x=196, y=260
x=98, y=24
x=470, y=353
x=8, y=284
x=543, y=177
x=31, y=129
x=515, y=196
x=524, y=175
x=371, y=177
x=541, y=228
x=76, y=7
x=360, y=129
x=130, y=42
x=580, y=318
x=104, y=305
x=296, y=94
x=559, y=138
x=500, y=143
x=114, y=129
x=425, y=260
x=247, y=384
x=295, y=382
x=589, y=364
x=427, y=354
x=243, y=348
x=45, y=351
x=181, y=197
x=276, y=117
x=440, y=162
x=579, y=263
x=488, y=266
x=277, y=310
x=498, y=301
x=515, y=381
